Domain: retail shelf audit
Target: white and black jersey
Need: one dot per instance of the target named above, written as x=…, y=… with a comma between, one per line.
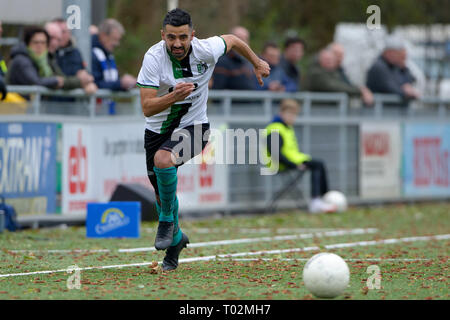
x=161, y=71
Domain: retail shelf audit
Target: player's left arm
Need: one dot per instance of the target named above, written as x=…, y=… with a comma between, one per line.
x=260, y=67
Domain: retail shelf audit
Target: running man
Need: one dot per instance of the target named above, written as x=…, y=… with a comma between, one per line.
x=174, y=91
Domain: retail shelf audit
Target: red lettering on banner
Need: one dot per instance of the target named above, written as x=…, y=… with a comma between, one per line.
x=376, y=144
x=206, y=178
x=185, y=183
x=210, y=197
x=78, y=167
x=79, y=205
x=431, y=167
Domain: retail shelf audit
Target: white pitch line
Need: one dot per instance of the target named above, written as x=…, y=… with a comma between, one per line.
x=306, y=259
x=224, y=256
x=335, y=233
x=248, y=230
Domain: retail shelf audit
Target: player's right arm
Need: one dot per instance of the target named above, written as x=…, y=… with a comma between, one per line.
x=151, y=104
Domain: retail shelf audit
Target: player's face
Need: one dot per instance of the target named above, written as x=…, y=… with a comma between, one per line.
x=178, y=39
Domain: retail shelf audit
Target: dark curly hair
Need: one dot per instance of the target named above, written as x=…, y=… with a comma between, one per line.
x=29, y=33
x=177, y=17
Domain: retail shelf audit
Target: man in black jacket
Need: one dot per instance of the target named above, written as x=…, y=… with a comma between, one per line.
x=389, y=73
x=68, y=55
x=232, y=71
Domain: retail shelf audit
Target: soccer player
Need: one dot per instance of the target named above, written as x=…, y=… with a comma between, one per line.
x=174, y=90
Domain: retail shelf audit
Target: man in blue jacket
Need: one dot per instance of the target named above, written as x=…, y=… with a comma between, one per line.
x=104, y=67
x=68, y=55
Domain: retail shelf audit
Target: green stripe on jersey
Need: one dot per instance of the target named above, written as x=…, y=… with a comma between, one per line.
x=225, y=43
x=177, y=111
x=146, y=86
x=176, y=66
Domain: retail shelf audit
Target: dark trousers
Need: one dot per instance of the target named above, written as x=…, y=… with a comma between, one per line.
x=319, y=183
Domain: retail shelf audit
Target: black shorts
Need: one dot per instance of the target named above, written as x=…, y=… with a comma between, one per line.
x=186, y=144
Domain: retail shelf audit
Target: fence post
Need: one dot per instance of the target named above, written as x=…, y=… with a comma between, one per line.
x=92, y=105
x=227, y=106
x=306, y=139
x=343, y=159
x=137, y=104
x=441, y=110
x=378, y=108
x=37, y=103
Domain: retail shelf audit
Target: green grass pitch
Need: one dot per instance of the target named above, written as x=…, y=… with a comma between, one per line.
x=409, y=270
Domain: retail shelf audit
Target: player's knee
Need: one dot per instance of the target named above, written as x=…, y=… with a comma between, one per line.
x=163, y=159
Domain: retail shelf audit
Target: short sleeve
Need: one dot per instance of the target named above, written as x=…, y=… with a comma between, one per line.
x=216, y=47
x=149, y=74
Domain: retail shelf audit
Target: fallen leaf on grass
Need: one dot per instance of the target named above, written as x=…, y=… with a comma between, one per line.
x=153, y=267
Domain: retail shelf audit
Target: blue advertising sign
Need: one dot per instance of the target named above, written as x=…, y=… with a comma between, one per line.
x=113, y=220
x=426, y=161
x=28, y=163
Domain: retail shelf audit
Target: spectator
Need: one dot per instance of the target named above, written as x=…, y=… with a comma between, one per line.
x=232, y=71
x=93, y=29
x=3, y=70
x=289, y=157
x=104, y=67
x=339, y=51
x=293, y=53
x=271, y=54
x=29, y=65
x=389, y=73
x=68, y=56
x=324, y=75
x=81, y=79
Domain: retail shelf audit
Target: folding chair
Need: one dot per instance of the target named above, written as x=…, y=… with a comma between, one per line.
x=291, y=178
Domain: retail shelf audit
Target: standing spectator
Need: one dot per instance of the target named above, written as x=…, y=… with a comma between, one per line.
x=81, y=79
x=3, y=70
x=272, y=54
x=339, y=51
x=293, y=53
x=233, y=72
x=68, y=56
x=324, y=75
x=389, y=73
x=29, y=65
x=104, y=67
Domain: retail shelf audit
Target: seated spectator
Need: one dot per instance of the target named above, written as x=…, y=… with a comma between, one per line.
x=81, y=78
x=30, y=65
x=104, y=69
x=232, y=71
x=288, y=156
x=3, y=91
x=68, y=56
x=389, y=73
x=274, y=82
x=293, y=53
x=324, y=75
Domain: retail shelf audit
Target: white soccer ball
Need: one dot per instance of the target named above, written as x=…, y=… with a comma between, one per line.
x=336, y=198
x=326, y=275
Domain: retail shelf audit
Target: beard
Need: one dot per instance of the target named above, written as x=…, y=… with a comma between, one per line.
x=181, y=52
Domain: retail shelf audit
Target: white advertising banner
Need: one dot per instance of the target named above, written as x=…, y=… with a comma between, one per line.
x=78, y=178
x=98, y=157
x=380, y=160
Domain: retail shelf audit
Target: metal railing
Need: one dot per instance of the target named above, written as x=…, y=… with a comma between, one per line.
x=230, y=103
x=328, y=129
